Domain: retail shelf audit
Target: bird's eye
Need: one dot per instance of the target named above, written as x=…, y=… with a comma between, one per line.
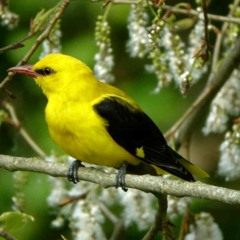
x=45, y=71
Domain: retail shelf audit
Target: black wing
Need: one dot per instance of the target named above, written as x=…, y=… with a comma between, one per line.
x=133, y=129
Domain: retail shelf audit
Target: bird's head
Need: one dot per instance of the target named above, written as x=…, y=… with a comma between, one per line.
x=55, y=72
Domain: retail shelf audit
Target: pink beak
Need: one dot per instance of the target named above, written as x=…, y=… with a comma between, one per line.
x=24, y=70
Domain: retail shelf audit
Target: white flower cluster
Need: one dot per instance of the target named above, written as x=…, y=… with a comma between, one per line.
x=104, y=58
x=172, y=59
x=185, y=81
x=177, y=206
x=87, y=208
x=59, y=190
x=8, y=18
x=174, y=49
x=138, y=42
x=84, y=209
x=232, y=32
x=195, y=65
x=229, y=163
x=53, y=43
x=86, y=221
x=159, y=59
x=137, y=208
x=19, y=179
x=204, y=228
x=225, y=104
x=104, y=64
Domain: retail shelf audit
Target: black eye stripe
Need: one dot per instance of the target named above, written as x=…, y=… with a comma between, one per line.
x=45, y=71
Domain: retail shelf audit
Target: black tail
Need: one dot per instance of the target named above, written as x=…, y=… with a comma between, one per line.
x=170, y=161
x=177, y=168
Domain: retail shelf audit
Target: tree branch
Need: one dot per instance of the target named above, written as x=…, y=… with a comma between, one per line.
x=6, y=235
x=144, y=183
x=195, y=13
x=14, y=121
x=217, y=45
x=160, y=222
x=119, y=229
x=216, y=80
x=183, y=11
x=17, y=44
x=38, y=41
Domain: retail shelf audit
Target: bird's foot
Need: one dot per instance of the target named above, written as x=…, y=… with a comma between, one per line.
x=73, y=171
x=120, y=178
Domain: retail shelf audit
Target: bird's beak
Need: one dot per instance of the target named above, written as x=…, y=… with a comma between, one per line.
x=24, y=70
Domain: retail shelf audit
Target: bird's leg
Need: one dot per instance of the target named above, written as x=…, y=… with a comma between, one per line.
x=120, y=178
x=73, y=171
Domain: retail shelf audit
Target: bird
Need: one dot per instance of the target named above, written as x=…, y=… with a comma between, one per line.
x=97, y=123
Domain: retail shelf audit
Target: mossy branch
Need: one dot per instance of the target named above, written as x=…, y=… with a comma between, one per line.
x=144, y=183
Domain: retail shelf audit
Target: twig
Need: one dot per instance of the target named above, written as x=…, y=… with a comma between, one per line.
x=160, y=222
x=69, y=200
x=106, y=3
x=16, y=123
x=217, y=46
x=191, y=12
x=119, y=229
x=6, y=235
x=38, y=41
x=185, y=224
x=118, y=1
x=205, y=54
x=185, y=124
x=17, y=44
x=146, y=183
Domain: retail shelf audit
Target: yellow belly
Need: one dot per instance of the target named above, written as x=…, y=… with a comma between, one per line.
x=84, y=137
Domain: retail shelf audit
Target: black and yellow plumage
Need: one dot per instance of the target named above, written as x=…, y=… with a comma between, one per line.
x=137, y=133
x=97, y=123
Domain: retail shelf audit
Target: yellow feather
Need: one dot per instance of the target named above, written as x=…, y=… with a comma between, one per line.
x=140, y=152
x=76, y=126
x=198, y=172
x=72, y=122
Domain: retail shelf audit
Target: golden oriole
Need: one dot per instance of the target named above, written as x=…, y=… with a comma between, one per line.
x=97, y=123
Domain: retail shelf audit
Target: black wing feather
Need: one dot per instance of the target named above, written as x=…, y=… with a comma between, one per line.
x=133, y=129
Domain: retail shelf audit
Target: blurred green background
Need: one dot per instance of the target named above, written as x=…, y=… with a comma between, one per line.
x=78, y=24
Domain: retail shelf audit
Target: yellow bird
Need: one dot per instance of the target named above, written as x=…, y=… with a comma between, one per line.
x=97, y=123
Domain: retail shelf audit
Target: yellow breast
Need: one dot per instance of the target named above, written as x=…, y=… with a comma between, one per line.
x=81, y=133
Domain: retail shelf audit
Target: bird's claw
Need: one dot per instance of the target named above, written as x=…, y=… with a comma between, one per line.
x=120, y=177
x=73, y=171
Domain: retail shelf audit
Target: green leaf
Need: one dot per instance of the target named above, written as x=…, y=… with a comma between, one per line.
x=184, y=24
x=42, y=18
x=13, y=220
